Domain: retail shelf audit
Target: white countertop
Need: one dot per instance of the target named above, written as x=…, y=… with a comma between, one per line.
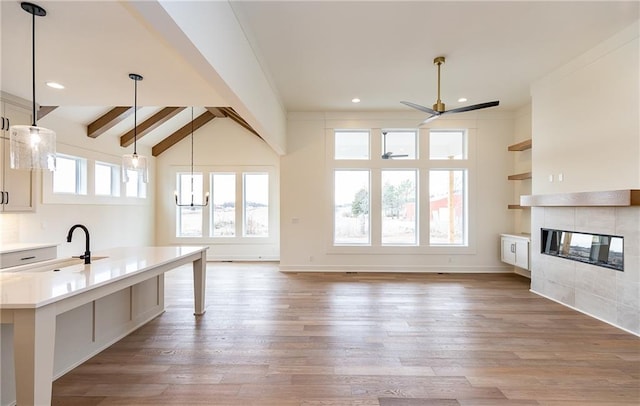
x=30, y=289
x=524, y=236
x=23, y=246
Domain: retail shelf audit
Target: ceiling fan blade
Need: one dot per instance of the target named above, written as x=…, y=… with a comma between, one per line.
x=429, y=119
x=389, y=155
x=473, y=107
x=419, y=107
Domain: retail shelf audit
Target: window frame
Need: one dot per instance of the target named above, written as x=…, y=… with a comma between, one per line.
x=239, y=238
x=80, y=175
x=115, y=179
x=91, y=157
x=422, y=164
x=212, y=202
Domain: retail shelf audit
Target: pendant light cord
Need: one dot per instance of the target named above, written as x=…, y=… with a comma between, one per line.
x=192, y=155
x=135, y=114
x=33, y=66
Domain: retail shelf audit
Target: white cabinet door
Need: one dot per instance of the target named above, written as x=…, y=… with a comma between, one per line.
x=508, y=251
x=17, y=185
x=514, y=251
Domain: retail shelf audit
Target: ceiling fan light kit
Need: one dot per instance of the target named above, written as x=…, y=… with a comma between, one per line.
x=439, y=107
x=30, y=146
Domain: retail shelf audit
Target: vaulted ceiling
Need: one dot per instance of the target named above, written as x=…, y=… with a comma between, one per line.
x=316, y=55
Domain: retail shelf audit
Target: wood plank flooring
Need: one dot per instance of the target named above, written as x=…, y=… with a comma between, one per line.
x=366, y=339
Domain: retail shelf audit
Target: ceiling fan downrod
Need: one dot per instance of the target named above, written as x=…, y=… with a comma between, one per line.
x=439, y=106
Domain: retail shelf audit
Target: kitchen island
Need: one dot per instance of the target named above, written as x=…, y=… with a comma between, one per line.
x=32, y=298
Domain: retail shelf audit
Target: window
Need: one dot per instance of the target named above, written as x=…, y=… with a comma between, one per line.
x=399, y=144
x=447, y=144
x=70, y=176
x=189, y=218
x=107, y=179
x=377, y=196
x=135, y=187
x=399, y=215
x=239, y=210
x=351, y=207
x=352, y=145
x=448, y=188
x=256, y=205
x=223, y=218
x=447, y=208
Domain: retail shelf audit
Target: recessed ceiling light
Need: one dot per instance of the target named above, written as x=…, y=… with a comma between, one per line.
x=462, y=100
x=355, y=100
x=55, y=85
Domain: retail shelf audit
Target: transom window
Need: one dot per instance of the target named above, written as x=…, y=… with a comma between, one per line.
x=107, y=179
x=70, y=176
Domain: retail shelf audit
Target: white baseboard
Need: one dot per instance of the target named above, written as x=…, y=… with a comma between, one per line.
x=395, y=268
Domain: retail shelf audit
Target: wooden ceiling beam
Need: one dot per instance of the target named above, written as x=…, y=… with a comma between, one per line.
x=150, y=124
x=44, y=110
x=183, y=132
x=217, y=112
x=108, y=120
x=231, y=113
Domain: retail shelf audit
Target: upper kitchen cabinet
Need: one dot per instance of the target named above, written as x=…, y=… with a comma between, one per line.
x=17, y=188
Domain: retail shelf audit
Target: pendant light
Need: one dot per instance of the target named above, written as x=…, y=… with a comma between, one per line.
x=206, y=196
x=32, y=147
x=134, y=162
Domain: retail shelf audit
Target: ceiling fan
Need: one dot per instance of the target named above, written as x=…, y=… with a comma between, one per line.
x=389, y=154
x=439, y=108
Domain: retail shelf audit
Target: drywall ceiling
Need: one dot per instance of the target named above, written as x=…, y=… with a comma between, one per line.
x=317, y=55
x=322, y=54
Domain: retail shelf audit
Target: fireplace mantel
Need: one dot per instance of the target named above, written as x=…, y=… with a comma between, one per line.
x=608, y=198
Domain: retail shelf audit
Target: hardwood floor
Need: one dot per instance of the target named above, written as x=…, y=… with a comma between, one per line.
x=322, y=339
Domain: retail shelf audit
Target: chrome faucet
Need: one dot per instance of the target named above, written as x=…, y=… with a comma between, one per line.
x=87, y=252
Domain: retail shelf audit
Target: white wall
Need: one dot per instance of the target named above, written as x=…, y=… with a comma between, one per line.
x=586, y=120
x=586, y=126
x=521, y=163
x=109, y=225
x=210, y=38
x=220, y=145
x=306, y=198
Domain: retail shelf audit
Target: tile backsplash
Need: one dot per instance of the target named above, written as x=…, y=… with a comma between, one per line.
x=9, y=228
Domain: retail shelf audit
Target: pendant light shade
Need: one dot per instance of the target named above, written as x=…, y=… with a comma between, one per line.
x=30, y=146
x=206, y=196
x=134, y=162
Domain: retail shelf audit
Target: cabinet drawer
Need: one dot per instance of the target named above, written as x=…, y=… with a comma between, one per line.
x=29, y=256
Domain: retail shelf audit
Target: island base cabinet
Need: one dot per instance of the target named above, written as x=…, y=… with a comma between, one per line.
x=87, y=330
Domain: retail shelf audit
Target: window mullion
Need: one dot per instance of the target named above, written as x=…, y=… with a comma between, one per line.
x=375, y=217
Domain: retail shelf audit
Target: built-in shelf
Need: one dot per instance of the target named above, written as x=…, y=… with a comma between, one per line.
x=521, y=146
x=520, y=176
x=607, y=198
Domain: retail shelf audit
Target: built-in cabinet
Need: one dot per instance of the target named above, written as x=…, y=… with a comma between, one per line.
x=515, y=250
x=17, y=191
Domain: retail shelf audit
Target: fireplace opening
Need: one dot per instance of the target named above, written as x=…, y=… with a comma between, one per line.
x=596, y=249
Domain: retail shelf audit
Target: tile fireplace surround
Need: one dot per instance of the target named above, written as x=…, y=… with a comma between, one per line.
x=607, y=294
